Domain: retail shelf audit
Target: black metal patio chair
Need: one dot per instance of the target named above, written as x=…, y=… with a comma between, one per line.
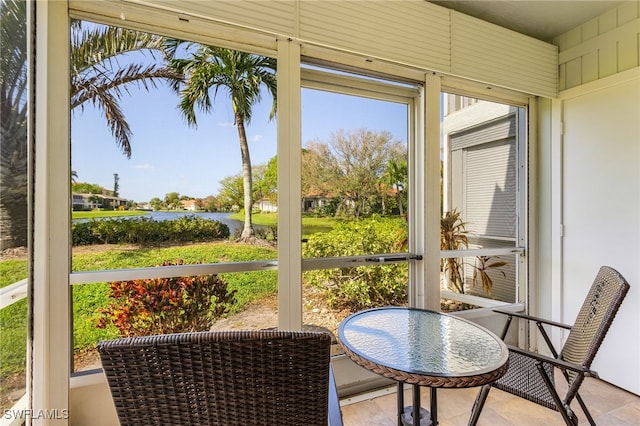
x=264, y=377
x=531, y=375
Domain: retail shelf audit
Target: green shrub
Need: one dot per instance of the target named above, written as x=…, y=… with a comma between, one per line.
x=269, y=233
x=362, y=286
x=166, y=305
x=146, y=230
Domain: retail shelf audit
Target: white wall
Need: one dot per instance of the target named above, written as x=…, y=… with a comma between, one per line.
x=600, y=47
x=600, y=211
x=588, y=182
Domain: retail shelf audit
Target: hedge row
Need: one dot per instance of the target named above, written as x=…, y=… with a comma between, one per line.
x=365, y=286
x=146, y=230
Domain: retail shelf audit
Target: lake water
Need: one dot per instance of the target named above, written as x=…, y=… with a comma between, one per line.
x=161, y=216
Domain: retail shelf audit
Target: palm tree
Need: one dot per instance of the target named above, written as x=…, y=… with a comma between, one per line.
x=396, y=177
x=96, y=77
x=211, y=69
x=13, y=123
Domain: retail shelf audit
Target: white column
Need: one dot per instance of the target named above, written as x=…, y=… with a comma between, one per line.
x=424, y=226
x=51, y=351
x=289, y=187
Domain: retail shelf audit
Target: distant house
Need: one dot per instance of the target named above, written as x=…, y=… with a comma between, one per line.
x=265, y=205
x=189, y=205
x=82, y=201
x=314, y=199
x=77, y=201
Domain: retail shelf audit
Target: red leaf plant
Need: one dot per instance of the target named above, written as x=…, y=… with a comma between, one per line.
x=166, y=305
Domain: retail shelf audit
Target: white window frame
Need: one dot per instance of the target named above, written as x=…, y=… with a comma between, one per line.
x=525, y=133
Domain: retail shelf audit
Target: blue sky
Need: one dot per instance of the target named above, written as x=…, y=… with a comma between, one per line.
x=169, y=156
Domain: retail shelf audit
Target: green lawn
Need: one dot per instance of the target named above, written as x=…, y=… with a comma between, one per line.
x=94, y=214
x=310, y=224
x=13, y=322
x=88, y=298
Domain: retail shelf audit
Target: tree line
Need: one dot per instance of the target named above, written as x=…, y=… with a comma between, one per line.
x=355, y=173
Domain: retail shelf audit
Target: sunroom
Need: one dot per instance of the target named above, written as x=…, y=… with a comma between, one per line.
x=532, y=136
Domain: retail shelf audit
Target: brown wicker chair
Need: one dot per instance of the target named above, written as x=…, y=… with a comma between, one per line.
x=531, y=376
x=265, y=377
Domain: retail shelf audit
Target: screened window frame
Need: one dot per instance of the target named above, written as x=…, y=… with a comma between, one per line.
x=371, y=88
x=525, y=133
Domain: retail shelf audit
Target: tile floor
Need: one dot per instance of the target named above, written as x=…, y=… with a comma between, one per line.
x=609, y=405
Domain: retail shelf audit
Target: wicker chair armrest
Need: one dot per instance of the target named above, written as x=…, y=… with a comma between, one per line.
x=533, y=318
x=563, y=365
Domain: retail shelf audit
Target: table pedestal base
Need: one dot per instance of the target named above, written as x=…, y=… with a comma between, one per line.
x=405, y=414
x=407, y=417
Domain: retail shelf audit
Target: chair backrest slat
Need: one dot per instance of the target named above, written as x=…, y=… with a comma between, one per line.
x=594, y=320
x=261, y=377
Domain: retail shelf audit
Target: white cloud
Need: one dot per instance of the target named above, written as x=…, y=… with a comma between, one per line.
x=256, y=138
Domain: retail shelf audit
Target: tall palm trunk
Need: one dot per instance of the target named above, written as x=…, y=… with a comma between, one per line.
x=13, y=124
x=247, y=181
x=13, y=174
x=241, y=75
x=13, y=181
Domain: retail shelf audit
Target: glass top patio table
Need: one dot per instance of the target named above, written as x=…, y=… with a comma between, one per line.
x=423, y=348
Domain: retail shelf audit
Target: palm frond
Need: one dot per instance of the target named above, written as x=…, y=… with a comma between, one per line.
x=211, y=69
x=171, y=45
x=205, y=71
x=143, y=76
x=13, y=53
x=13, y=99
x=108, y=105
x=97, y=75
x=99, y=44
x=116, y=121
